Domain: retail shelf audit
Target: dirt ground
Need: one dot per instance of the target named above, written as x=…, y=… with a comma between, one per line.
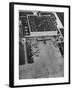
x=50, y=63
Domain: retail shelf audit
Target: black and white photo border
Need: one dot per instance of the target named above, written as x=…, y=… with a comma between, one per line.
x=14, y=80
